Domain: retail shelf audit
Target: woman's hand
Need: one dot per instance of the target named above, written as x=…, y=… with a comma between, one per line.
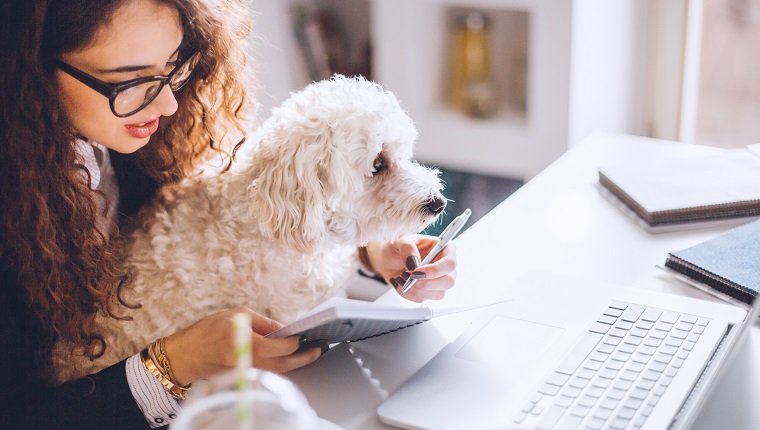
x=207, y=347
x=399, y=260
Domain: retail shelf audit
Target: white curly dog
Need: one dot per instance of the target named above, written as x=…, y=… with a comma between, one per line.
x=332, y=170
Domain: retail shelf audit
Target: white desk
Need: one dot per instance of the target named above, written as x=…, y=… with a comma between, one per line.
x=557, y=222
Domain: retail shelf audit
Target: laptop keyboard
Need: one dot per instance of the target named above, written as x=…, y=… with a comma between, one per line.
x=614, y=377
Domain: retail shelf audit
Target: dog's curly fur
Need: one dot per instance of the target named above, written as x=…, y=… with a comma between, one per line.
x=278, y=233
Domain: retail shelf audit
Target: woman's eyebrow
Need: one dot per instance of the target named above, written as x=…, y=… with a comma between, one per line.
x=125, y=69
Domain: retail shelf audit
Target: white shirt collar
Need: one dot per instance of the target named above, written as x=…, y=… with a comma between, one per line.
x=87, y=156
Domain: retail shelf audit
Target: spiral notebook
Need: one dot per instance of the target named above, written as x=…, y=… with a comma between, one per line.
x=687, y=189
x=346, y=320
x=728, y=264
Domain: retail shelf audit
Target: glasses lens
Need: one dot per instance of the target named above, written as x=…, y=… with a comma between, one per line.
x=181, y=75
x=136, y=97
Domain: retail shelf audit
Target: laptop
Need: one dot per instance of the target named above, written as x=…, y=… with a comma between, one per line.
x=570, y=354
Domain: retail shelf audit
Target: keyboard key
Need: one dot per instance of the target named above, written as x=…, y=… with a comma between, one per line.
x=666, y=380
x=627, y=375
x=564, y=401
x=638, y=332
x=557, y=379
x=600, y=328
x=647, y=410
x=678, y=333
x=536, y=397
x=602, y=413
x=549, y=390
x=619, y=305
x=608, y=373
x=657, y=366
x=670, y=350
x=594, y=424
x=646, y=325
x=595, y=392
x=662, y=325
x=682, y=354
x=588, y=401
x=613, y=312
x=620, y=356
x=659, y=391
x=658, y=334
x=580, y=411
x=632, y=340
x=627, y=348
x=652, y=341
x=632, y=313
x=592, y=365
x=692, y=337
x=635, y=367
x=698, y=329
x=605, y=348
x=619, y=423
x=616, y=393
x=702, y=322
x=618, y=332
x=677, y=363
x=639, y=393
x=585, y=373
x=688, y=346
x=614, y=365
x=689, y=318
x=625, y=325
x=626, y=413
x=601, y=383
x=673, y=341
x=647, y=350
x=609, y=403
x=631, y=403
x=651, y=315
x=571, y=392
x=641, y=358
x=663, y=358
x=682, y=325
x=578, y=382
x=579, y=353
x=612, y=340
x=622, y=384
x=550, y=417
x=520, y=417
x=651, y=375
x=598, y=356
x=669, y=317
x=569, y=422
x=645, y=384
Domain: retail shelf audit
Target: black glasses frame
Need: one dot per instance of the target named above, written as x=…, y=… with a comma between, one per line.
x=112, y=90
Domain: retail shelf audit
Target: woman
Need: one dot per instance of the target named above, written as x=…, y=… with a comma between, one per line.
x=103, y=101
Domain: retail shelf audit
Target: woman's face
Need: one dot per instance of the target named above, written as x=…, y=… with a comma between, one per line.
x=142, y=39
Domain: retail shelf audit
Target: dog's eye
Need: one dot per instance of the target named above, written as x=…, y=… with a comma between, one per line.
x=378, y=165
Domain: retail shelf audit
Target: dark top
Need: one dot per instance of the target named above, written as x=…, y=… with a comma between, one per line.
x=99, y=401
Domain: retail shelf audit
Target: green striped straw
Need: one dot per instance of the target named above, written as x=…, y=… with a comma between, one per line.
x=243, y=351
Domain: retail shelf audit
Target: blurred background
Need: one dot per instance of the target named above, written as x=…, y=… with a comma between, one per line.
x=501, y=88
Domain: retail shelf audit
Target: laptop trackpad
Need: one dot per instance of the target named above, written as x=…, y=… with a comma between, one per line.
x=509, y=343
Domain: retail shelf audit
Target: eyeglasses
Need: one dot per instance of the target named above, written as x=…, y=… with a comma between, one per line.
x=129, y=97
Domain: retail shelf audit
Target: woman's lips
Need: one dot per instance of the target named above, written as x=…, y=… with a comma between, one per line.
x=142, y=130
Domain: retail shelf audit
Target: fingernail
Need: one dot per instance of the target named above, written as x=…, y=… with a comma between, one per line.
x=419, y=275
x=394, y=282
x=412, y=262
x=405, y=276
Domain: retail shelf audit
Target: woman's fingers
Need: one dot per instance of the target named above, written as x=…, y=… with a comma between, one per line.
x=266, y=347
x=287, y=363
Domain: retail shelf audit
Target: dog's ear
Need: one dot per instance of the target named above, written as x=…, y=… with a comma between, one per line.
x=288, y=189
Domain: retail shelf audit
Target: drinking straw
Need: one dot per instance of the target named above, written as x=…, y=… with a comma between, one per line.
x=243, y=357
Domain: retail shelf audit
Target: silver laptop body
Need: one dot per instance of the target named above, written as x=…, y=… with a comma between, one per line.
x=567, y=354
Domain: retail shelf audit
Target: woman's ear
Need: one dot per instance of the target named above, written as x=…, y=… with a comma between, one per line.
x=287, y=192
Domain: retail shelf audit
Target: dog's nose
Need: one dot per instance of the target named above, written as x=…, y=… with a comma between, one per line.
x=435, y=205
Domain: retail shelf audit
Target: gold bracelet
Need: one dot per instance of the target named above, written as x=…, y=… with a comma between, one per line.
x=151, y=363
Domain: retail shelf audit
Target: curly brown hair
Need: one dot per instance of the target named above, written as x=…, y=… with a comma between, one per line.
x=67, y=268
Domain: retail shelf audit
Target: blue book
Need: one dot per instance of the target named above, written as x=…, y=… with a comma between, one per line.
x=729, y=263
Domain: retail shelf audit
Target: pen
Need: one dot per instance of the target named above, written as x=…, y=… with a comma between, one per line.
x=449, y=232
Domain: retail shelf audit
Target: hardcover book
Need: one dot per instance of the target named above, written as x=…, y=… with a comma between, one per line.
x=683, y=190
